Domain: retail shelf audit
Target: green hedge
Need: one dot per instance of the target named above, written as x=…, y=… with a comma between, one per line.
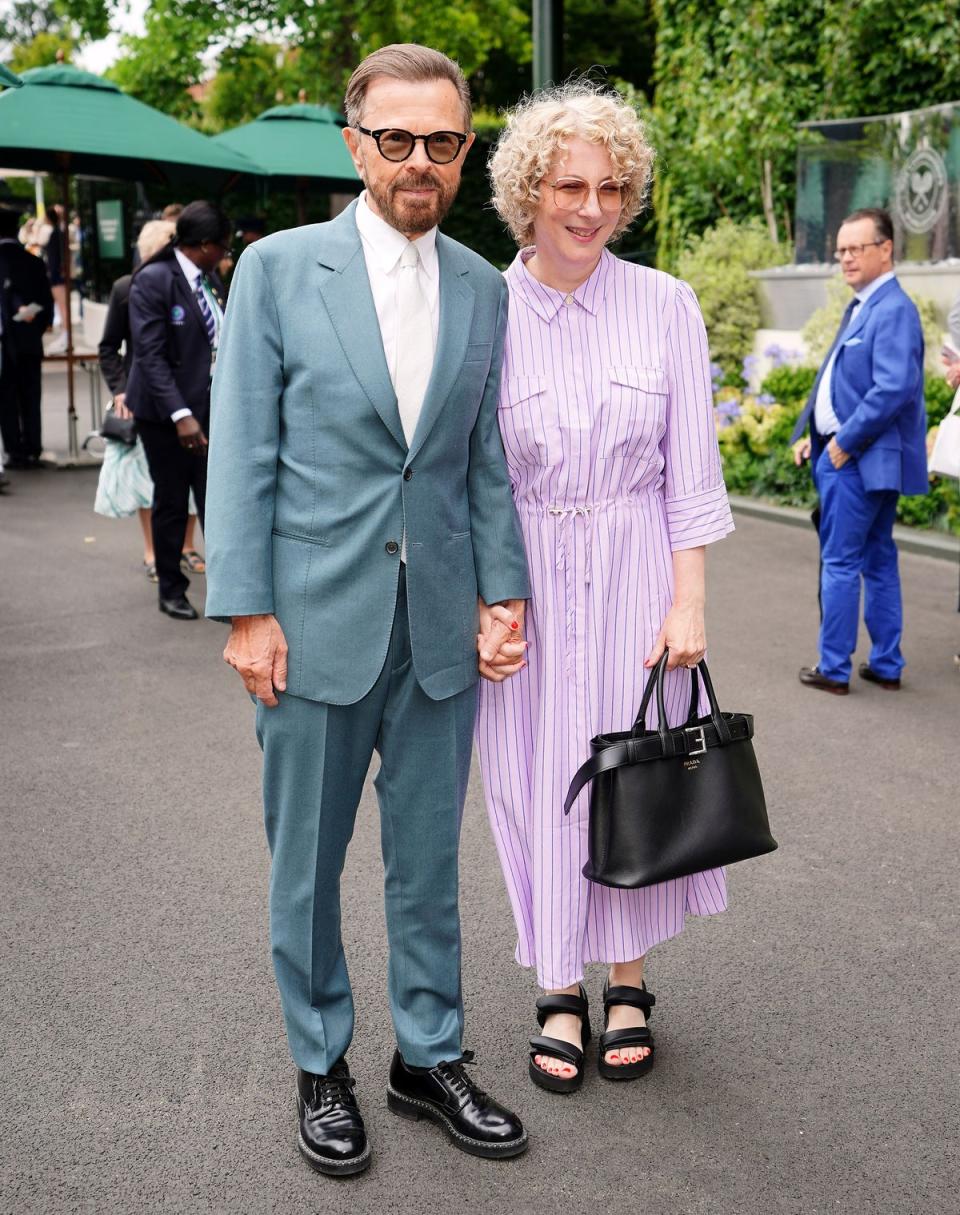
x=754, y=434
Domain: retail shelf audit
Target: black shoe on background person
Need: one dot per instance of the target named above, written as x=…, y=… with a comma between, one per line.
x=445, y=1094
x=331, y=1137
x=870, y=675
x=810, y=677
x=180, y=608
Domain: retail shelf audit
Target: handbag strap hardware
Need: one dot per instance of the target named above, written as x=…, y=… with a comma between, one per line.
x=701, y=738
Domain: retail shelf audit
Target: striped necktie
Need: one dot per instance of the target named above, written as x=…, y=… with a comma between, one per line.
x=208, y=318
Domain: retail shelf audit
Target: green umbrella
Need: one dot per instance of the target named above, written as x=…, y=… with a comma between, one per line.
x=297, y=143
x=68, y=121
x=8, y=78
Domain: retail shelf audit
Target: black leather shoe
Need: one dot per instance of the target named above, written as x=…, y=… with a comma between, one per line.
x=867, y=673
x=810, y=677
x=179, y=609
x=331, y=1136
x=445, y=1094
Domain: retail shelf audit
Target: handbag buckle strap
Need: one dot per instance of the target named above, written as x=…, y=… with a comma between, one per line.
x=698, y=737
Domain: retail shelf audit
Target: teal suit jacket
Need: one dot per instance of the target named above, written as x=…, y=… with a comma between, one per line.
x=310, y=482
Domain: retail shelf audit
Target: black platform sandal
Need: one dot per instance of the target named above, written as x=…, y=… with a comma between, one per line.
x=556, y=1048
x=636, y=997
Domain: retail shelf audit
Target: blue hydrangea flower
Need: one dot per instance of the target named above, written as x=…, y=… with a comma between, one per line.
x=749, y=367
x=766, y=399
x=728, y=410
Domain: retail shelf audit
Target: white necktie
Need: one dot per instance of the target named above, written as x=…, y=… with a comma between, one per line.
x=414, y=342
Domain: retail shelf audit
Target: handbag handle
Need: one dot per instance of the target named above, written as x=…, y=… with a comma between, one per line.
x=656, y=681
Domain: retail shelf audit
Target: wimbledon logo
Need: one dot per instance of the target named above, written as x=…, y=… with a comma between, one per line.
x=921, y=190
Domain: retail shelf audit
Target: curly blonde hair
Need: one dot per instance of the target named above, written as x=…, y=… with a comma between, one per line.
x=542, y=125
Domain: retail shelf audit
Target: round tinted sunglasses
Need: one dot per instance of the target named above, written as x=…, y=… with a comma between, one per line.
x=441, y=147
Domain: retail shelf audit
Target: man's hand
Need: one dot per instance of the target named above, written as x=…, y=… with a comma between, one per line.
x=257, y=651
x=500, y=642
x=120, y=406
x=953, y=375
x=838, y=457
x=191, y=435
x=801, y=451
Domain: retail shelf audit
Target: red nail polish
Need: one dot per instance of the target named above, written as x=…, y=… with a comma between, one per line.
x=515, y=625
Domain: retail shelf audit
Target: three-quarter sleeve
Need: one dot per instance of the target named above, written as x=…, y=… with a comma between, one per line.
x=698, y=511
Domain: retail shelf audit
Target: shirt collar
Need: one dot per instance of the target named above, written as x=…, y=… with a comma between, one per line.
x=190, y=269
x=547, y=301
x=865, y=292
x=386, y=244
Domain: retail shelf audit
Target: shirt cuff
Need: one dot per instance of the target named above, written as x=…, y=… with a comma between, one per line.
x=181, y=413
x=700, y=518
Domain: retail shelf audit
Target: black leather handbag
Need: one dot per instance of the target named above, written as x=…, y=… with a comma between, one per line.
x=669, y=802
x=122, y=430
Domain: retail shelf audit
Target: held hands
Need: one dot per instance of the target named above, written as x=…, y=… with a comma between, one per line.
x=684, y=634
x=190, y=434
x=500, y=641
x=257, y=651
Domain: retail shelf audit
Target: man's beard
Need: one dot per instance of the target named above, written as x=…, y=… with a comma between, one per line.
x=413, y=216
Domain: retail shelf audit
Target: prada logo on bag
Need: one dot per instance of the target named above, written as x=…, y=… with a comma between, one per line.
x=690, y=764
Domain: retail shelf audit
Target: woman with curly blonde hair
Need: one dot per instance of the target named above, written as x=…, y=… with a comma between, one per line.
x=607, y=422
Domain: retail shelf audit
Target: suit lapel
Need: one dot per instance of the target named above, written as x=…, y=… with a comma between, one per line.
x=457, y=301
x=182, y=286
x=864, y=311
x=349, y=302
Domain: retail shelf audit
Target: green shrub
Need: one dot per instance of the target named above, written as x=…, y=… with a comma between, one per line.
x=821, y=328
x=716, y=266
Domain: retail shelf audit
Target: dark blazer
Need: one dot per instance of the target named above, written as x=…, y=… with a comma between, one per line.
x=171, y=350
x=116, y=333
x=23, y=280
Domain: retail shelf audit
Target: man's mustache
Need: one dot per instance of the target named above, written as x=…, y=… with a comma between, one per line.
x=417, y=181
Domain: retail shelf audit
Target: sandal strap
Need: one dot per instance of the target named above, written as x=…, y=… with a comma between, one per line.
x=575, y=1005
x=634, y=997
x=615, y=1038
x=556, y=1048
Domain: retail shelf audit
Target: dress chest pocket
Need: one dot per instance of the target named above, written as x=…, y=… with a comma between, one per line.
x=634, y=413
x=528, y=421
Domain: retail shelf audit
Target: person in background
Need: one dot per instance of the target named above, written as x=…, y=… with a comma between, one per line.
x=867, y=446
x=953, y=326
x=26, y=310
x=53, y=255
x=176, y=311
x=249, y=229
x=125, y=486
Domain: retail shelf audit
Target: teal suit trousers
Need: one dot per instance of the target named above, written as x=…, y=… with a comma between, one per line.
x=316, y=757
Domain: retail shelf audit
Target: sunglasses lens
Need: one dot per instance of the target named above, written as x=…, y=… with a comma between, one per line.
x=442, y=147
x=396, y=145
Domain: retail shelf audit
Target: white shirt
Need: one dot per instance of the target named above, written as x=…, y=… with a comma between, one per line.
x=824, y=417
x=382, y=249
x=194, y=276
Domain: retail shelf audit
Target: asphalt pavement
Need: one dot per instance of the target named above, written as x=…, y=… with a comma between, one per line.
x=807, y=1040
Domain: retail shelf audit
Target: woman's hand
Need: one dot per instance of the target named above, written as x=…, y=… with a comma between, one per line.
x=120, y=406
x=683, y=634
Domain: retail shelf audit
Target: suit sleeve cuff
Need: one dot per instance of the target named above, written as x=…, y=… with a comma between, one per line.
x=181, y=413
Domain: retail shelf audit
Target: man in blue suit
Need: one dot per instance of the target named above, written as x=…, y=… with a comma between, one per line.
x=867, y=446
x=361, y=536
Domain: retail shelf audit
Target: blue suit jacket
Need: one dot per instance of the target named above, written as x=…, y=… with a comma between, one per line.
x=877, y=394
x=310, y=482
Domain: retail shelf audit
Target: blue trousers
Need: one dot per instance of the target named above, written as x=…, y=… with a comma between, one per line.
x=856, y=543
x=315, y=759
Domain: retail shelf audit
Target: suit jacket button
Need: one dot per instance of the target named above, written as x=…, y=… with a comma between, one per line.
x=407, y=474
x=392, y=547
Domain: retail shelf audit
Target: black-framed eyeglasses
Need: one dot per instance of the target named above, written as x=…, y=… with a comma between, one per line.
x=855, y=250
x=441, y=147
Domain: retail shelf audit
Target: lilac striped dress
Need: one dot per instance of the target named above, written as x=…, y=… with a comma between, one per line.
x=607, y=423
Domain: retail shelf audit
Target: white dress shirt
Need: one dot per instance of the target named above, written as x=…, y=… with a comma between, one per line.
x=824, y=417
x=194, y=276
x=382, y=249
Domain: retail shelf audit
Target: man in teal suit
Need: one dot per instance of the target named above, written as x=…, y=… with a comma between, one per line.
x=362, y=540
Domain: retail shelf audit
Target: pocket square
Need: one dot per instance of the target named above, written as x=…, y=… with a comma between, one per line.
x=854, y=341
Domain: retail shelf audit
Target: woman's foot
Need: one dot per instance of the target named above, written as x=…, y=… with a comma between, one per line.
x=567, y=1028
x=556, y=1055
x=191, y=562
x=626, y=1016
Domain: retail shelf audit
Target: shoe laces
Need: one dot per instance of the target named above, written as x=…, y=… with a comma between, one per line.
x=336, y=1088
x=453, y=1073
